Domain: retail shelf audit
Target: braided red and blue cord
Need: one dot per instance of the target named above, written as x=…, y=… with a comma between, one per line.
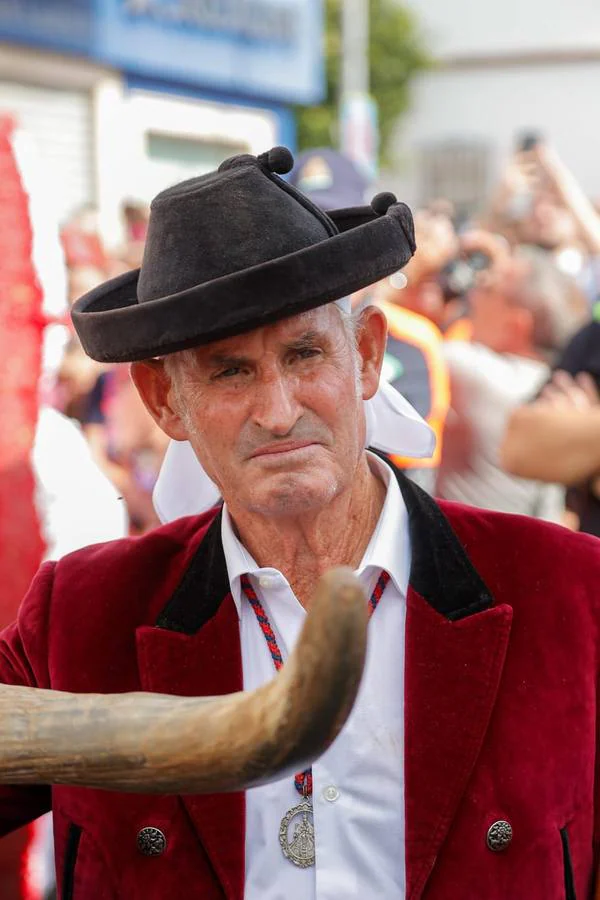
x=303, y=781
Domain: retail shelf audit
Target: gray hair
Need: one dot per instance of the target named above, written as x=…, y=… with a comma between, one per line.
x=350, y=321
x=557, y=305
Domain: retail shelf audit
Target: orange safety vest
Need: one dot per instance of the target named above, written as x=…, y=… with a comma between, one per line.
x=414, y=364
x=460, y=330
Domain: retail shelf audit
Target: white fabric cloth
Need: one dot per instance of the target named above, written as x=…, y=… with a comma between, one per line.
x=358, y=793
x=183, y=488
x=76, y=503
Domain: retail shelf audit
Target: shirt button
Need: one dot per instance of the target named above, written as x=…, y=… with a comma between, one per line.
x=266, y=581
x=331, y=793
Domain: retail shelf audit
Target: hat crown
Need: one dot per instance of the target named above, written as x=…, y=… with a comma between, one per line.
x=224, y=222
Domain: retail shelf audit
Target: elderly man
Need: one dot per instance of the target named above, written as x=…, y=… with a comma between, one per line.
x=466, y=769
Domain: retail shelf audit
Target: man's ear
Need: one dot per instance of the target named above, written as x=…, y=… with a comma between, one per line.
x=372, y=338
x=156, y=390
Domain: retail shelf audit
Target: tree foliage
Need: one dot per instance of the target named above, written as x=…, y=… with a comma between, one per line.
x=396, y=54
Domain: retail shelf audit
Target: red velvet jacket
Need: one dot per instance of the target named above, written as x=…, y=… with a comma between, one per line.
x=501, y=705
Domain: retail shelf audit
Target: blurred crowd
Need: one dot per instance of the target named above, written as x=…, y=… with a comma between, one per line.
x=510, y=370
x=124, y=440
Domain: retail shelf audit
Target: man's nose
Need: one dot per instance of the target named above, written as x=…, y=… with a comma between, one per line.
x=275, y=408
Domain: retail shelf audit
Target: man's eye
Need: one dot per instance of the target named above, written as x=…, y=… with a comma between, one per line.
x=229, y=373
x=307, y=352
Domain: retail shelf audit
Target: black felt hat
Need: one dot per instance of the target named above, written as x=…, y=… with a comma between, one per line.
x=236, y=249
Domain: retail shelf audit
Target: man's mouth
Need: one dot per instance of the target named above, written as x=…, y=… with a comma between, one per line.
x=281, y=448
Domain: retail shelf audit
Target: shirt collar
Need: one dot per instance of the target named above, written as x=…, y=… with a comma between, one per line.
x=388, y=548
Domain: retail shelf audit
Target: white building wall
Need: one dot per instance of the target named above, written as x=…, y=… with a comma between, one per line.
x=230, y=129
x=70, y=111
x=92, y=134
x=505, y=67
x=58, y=124
x=488, y=27
x=495, y=105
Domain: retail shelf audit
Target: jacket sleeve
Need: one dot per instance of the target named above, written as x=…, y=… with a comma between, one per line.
x=24, y=661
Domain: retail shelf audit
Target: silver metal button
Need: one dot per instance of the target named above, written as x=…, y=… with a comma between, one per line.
x=499, y=836
x=331, y=793
x=151, y=841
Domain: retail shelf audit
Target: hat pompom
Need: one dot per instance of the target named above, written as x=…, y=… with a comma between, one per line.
x=382, y=202
x=278, y=160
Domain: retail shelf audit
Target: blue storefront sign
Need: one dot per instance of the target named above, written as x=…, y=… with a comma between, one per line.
x=257, y=48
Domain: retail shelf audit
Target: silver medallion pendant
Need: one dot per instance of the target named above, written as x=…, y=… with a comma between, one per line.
x=300, y=849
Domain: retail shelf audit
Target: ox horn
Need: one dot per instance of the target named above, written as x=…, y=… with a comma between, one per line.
x=155, y=743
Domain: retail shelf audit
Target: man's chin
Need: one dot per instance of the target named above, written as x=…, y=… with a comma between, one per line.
x=292, y=494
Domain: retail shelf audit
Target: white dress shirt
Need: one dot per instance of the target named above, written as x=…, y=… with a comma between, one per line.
x=358, y=784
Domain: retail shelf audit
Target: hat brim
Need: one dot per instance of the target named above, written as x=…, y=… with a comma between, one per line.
x=114, y=327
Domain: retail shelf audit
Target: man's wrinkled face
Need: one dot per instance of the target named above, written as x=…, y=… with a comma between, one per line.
x=276, y=416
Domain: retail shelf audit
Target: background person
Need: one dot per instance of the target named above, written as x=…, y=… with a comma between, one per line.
x=540, y=202
x=125, y=442
x=556, y=435
x=522, y=312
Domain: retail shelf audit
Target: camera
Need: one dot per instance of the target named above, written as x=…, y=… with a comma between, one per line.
x=458, y=276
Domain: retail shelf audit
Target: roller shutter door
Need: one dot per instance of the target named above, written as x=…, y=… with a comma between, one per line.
x=59, y=125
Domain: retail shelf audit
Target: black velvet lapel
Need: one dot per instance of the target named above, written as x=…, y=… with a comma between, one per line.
x=202, y=589
x=441, y=572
